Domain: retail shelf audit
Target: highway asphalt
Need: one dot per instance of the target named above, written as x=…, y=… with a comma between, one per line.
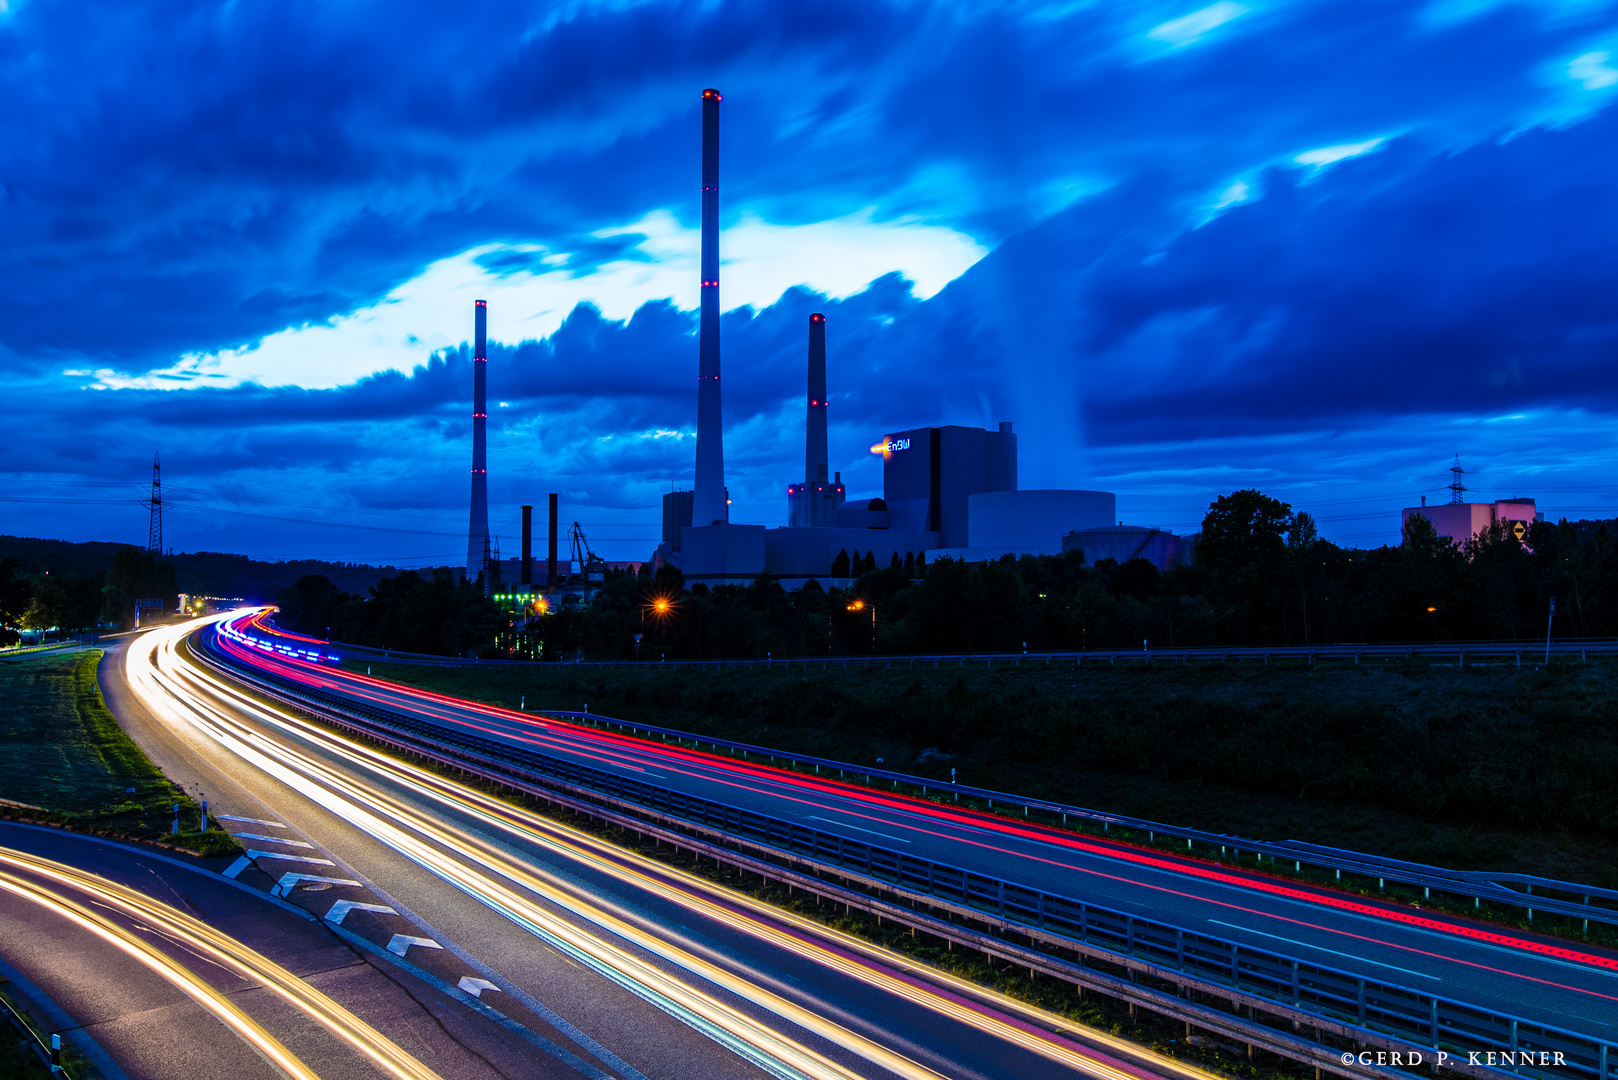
x=628, y=965
x=152, y=1030
x=1487, y=966
x=252, y=804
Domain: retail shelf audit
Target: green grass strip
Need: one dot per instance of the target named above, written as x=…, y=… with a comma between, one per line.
x=64, y=759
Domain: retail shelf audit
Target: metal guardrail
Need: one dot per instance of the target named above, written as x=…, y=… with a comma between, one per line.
x=1478, y=885
x=1415, y=1015
x=932, y=916
x=47, y=1048
x=1460, y=650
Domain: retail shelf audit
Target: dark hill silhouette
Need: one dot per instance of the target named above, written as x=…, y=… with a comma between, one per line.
x=210, y=573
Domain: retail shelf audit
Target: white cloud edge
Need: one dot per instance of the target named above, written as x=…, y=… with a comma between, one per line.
x=431, y=311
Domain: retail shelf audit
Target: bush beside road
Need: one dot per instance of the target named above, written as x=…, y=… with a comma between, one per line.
x=64, y=760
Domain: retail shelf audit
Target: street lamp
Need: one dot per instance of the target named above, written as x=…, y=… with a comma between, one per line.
x=661, y=607
x=861, y=605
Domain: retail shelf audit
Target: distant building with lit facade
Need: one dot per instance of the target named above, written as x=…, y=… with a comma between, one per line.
x=1459, y=522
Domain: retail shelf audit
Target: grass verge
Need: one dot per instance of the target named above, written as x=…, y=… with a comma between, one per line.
x=1475, y=768
x=18, y=1061
x=64, y=760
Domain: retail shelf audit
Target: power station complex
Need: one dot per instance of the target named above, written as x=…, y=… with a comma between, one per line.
x=947, y=491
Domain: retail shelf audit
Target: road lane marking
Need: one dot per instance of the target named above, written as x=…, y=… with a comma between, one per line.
x=1317, y=902
x=339, y=911
x=400, y=944
x=271, y=839
x=204, y=941
x=451, y=946
x=289, y=882
x=1318, y=948
x=475, y=987
x=249, y=820
x=856, y=828
x=288, y=858
x=244, y=861
x=1584, y=969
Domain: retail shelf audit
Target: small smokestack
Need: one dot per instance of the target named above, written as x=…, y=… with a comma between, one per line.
x=478, y=532
x=550, y=576
x=528, y=545
x=709, y=503
x=815, y=462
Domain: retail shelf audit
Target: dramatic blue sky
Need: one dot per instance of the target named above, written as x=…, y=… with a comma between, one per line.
x=1315, y=248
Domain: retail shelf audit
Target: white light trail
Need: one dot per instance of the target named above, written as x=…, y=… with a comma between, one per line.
x=179, y=692
x=212, y=945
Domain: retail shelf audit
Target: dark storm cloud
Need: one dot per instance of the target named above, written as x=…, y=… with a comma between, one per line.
x=1478, y=282
x=1398, y=283
x=178, y=178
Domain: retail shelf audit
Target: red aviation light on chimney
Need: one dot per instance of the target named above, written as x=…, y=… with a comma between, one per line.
x=481, y=303
x=712, y=94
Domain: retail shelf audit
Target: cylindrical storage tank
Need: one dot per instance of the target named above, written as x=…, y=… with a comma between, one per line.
x=1028, y=519
x=1121, y=543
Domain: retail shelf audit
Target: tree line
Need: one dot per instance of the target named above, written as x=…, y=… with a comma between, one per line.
x=70, y=603
x=440, y=613
x=1259, y=574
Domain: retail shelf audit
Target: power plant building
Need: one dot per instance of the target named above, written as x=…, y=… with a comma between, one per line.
x=1121, y=543
x=948, y=491
x=928, y=474
x=1459, y=522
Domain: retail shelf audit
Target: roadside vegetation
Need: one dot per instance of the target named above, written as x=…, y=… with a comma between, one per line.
x=18, y=1061
x=67, y=602
x=1494, y=768
x=1259, y=575
x=64, y=760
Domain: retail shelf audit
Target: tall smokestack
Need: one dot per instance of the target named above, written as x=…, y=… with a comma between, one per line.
x=478, y=533
x=550, y=571
x=815, y=462
x=709, y=495
x=814, y=503
x=528, y=545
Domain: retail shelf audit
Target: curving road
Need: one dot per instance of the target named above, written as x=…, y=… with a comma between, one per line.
x=163, y=990
x=620, y=965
